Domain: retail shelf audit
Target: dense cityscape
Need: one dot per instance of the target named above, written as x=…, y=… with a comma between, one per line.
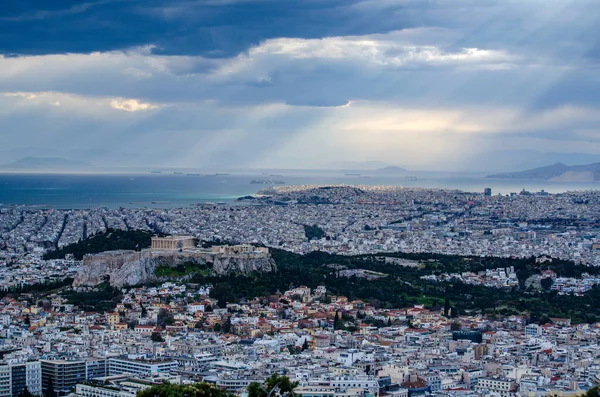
x=299, y=198
x=109, y=339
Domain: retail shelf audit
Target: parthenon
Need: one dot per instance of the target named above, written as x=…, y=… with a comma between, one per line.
x=173, y=242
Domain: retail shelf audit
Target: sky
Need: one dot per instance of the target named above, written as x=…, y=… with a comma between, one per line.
x=424, y=84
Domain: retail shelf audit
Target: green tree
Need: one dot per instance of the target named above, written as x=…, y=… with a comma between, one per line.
x=593, y=392
x=111, y=239
x=255, y=389
x=25, y=393
x=305, y=345
x=313, y=232
x=195, y=390
x=164, y=317
x=455, y=326
x=283, y=383
x=226, y=326
x=338, y=323
x=156, y=337
x=223, y=293
x=544, y=320
x=296, y=297
x=454, y=312
x=284, y=386
x=547, y=283
x=50, y=392
x=446, y=307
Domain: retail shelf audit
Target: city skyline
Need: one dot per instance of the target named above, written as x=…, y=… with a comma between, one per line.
x=299, y=198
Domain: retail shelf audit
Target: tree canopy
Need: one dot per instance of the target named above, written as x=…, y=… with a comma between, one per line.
x=111, y=239
x=285, y=387
x=194, y=390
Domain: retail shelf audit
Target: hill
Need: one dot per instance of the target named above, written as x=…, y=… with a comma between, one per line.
x=377, y=279
x=46, y=163
x=110, y=240
x=558, y=172
x=392, y=169
x=400, y=286
x=357, y=165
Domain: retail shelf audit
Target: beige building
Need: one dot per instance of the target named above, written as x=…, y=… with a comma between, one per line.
x=173, y=242
x=113, y=318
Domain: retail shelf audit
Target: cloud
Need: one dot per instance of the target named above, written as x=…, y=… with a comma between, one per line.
x=131, y=105
x=175, y=27
x=221, y=29
x=299, y=83
x=314, y=72
x=277, y=134
x=390, y=51
x=87, y=104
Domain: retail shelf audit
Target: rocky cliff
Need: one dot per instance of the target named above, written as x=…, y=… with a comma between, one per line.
x=133, y=268
x=233, y=264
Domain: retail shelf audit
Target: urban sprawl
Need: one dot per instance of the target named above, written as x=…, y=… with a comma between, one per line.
x=333, y=346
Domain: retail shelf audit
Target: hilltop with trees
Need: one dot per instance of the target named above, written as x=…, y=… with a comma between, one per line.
x=109, y=240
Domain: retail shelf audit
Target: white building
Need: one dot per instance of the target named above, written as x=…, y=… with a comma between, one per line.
x=15, y=377
x=533, y=330
x=503, y=387
x=117, y=366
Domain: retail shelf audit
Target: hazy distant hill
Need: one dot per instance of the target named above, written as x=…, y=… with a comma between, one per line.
x=45, y=163
x=503, y=161
x=557, y=172
x=358, y=165
x=391, y=170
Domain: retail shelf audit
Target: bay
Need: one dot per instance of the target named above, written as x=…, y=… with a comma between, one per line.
x=168, y=190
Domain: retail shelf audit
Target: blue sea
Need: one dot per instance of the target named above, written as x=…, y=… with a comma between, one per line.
x=168, y=190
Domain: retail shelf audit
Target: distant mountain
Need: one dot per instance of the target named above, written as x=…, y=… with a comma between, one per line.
x=358, y=165
x=558, y=172
x=45, y=163
x=502, y=161
x=392, y=169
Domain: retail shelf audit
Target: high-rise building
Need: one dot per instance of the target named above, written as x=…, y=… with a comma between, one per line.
x=487, y=191
x=27, y=375
x=63, y=375
x=5, y=378
x=14, y=378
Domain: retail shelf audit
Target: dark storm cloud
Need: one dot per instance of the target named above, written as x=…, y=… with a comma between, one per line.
x=246, y=80
x=191, y=27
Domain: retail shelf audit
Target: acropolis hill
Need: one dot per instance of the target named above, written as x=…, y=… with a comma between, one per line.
x=128, y=267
